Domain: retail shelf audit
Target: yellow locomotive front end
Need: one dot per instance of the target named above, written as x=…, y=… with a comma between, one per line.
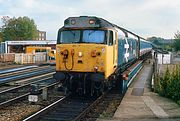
x=81, y=58
x=86, y=55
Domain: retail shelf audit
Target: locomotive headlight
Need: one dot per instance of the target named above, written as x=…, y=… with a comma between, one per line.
x=95, y=68
x=80, y=54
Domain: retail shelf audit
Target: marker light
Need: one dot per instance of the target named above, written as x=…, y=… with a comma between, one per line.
x=91, y=21
x=93, y=53
x=73, y=21
x=125, y=77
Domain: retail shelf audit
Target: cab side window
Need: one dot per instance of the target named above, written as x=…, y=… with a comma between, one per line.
x=110, y=37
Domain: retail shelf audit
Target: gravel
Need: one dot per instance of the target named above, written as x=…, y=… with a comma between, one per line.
x=21, y=110
x=18, y=111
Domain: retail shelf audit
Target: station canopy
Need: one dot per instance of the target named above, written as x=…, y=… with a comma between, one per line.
x=32, y=42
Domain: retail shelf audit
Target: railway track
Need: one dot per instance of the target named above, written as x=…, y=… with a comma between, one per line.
x=11, y=70
x=9, y=77
x=18, y=71
x=66, y=108
x=5, y=66
x=76, y=108
x=104, y=107
x=18, y=93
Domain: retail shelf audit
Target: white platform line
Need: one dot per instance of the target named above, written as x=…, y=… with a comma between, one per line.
x=156, y=109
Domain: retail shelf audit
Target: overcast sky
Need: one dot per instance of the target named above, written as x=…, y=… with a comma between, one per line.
x=146, y=18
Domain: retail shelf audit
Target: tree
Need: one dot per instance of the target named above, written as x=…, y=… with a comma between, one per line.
x=22, y=28
x=177, y=35
x=177, y=41
x=1, y=37
x=156, y=40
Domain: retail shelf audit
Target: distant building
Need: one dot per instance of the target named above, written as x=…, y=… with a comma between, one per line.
x=41, y=35
x=20, y=46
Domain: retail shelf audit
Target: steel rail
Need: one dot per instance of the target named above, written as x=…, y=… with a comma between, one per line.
x=18, y=87
x=102, y=98
x=75, y=114
x=87, y=110
x=16, y=69
x=44, y=110
x=21, y=71
x=14, y=78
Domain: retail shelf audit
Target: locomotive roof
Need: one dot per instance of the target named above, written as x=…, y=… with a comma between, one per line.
x=85, y=21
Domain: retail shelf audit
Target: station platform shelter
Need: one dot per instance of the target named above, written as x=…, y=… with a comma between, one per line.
x=20, y=46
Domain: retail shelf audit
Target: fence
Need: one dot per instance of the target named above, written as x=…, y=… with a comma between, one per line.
x=8, y=57
x=22, y=58
x=2, y=47
x=164, y=58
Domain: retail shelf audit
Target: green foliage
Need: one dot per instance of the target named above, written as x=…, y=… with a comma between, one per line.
x=169, y=85
x=178, y=102
x=161, y=43
x=177, y=35
x=177, y=41
x=177, y=44
x=156, y=40
x=22, y=28
x=1, y=37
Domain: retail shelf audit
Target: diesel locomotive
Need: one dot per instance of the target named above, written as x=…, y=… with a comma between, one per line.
x=92, y=53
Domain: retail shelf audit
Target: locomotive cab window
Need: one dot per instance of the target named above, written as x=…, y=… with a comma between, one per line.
x=93, y=36
x=82, y=36
x=69, y=36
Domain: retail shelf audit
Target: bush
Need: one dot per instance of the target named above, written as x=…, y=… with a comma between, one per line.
x=169, y=84
x=178, y=102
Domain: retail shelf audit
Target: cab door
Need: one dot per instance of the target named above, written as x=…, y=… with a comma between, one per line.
x=113, y=43
x=115, y=49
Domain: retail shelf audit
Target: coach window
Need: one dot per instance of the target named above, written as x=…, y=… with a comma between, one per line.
x=110, y=38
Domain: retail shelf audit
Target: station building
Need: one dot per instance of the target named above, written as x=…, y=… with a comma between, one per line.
x=20, y=46
x=41, y=35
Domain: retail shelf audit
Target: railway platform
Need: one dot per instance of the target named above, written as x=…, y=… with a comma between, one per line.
x=141, y=104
